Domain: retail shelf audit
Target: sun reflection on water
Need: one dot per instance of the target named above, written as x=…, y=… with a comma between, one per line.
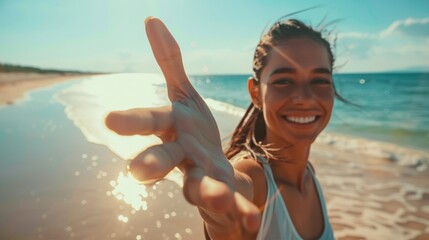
x=127, y=189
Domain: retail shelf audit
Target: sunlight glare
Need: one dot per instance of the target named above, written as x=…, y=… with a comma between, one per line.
x=126, y=188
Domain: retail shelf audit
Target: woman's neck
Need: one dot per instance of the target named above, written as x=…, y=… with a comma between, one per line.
x=290, y=163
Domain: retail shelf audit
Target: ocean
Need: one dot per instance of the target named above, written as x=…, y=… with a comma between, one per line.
x=392, y=107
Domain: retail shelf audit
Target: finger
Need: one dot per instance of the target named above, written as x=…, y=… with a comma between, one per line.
x=167, y=54
x=251, y=216
x=206, y=192
x=142, y=121
x=156, y=161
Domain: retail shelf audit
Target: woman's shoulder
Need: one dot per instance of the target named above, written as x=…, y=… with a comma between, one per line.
x=246, y=164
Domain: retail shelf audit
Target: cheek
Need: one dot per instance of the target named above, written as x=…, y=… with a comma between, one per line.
x=272, y=99
x=327, y=102
x=326, y=96
x=271, y=102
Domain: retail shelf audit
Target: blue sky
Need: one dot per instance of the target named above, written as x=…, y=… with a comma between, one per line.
x=216, y=36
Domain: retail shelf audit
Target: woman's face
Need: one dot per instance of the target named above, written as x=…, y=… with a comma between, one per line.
x=295, y=92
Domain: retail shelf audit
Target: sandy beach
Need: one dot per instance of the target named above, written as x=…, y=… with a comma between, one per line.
x=13, y=86
x=56, y=184
x=374, y=190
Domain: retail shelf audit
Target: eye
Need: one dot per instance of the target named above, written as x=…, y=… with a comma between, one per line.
x=322, y=81
x=282, y=82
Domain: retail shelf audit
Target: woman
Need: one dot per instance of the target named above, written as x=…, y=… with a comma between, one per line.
x=268, y=190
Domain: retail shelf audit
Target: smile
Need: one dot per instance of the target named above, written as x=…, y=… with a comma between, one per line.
x=301, y=120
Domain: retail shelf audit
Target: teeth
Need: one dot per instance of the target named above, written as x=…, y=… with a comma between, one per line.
x=302, y=120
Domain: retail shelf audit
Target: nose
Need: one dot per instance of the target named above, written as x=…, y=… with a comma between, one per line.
x=302, y=95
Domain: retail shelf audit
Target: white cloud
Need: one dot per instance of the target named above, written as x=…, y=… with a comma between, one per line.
x=355, y=35
x=385, y=56
x=409, y=27
x=405, y=46
x=355, y=44
x=405, y=49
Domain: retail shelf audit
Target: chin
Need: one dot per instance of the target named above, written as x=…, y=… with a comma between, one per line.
x=303, y=141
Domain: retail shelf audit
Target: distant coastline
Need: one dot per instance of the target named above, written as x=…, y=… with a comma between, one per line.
x=12, y=68
x=384, y=72
x=16, y=80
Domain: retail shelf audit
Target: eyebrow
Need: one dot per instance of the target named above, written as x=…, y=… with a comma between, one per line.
x=322, y=70
x=293, y=70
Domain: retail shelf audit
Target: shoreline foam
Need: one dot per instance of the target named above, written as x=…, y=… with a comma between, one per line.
x=403, y=156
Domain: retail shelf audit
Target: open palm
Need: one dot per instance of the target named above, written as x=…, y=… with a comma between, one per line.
x=191, y=141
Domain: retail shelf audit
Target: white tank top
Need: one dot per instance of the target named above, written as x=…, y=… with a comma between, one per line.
x=276, y=222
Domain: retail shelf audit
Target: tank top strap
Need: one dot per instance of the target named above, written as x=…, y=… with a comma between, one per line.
x=276, y=222
x=327, y=231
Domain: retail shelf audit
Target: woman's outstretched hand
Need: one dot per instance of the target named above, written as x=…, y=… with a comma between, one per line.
x=191, y=141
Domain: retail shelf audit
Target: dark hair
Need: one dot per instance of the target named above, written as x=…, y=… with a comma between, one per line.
x=251, y=128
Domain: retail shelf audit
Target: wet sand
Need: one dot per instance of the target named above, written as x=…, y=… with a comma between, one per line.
x=56, y=185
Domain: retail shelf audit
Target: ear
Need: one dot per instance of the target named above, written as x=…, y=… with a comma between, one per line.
x=254, y=91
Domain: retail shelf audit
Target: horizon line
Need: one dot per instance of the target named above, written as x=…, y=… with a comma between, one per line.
x=39, y=69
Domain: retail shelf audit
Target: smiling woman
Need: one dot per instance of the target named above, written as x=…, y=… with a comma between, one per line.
x=292, y=94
